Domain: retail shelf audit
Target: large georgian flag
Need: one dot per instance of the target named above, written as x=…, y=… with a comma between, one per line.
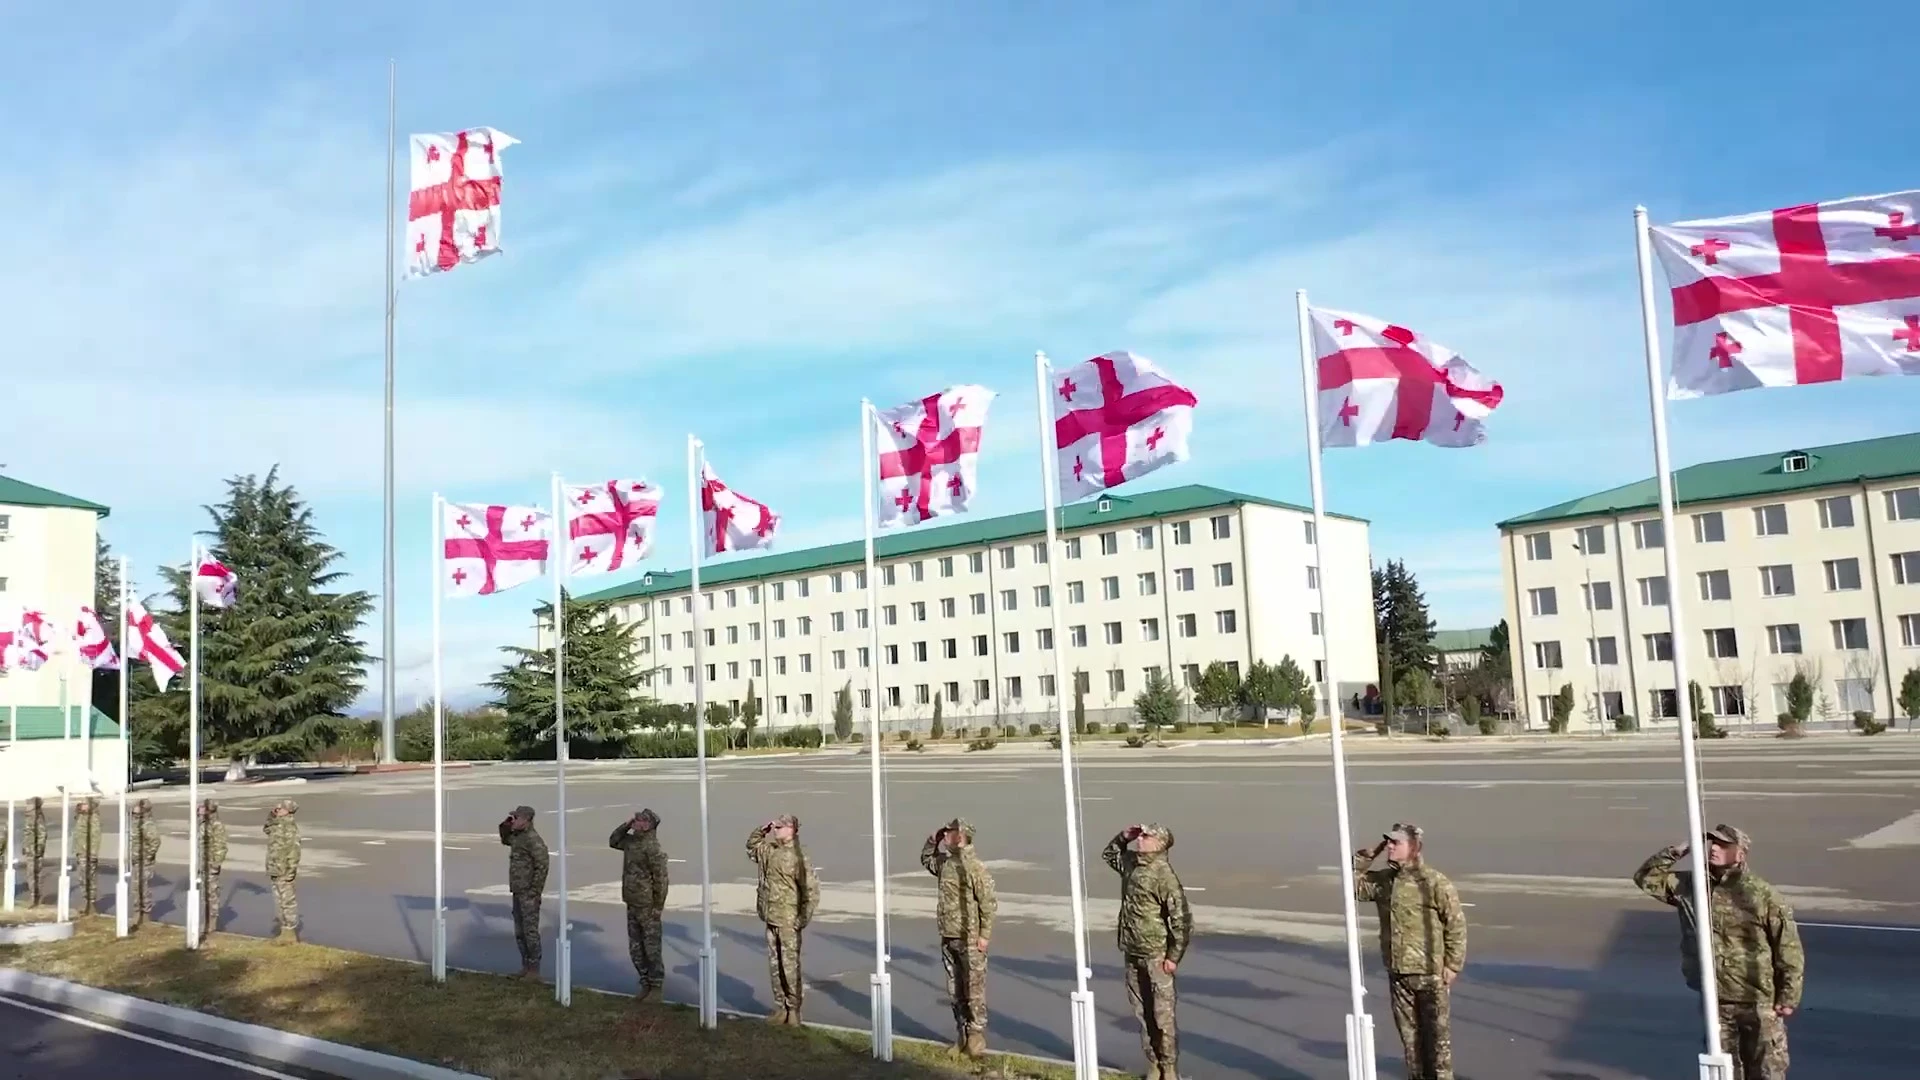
x=91, y=642
x=153, y=646
x=1805, y=294
x=930, y=455
x=1378, y=381
x=1116, y=418
x=732, y=521
x=217, y=586
x=610, y=525
x=453, y=211
x=490, y=549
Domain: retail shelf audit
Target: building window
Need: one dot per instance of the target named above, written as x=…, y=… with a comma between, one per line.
x=1226, y=622
x=1543, y=602
x=1043, y=638
x=1222, y=527
x=1222, y=574
x=866, y=657
x=1776, y=580
x=860, y=620
x=1109, y=543
x=980, y=644
x=838, y=620
x=1149, y=585
x=708, y=634
x=893, y=697
x=1143, y=538
x=1770, y=520
x=666, y=608
x=1313, y=578
x=1188, y=625
x=1649, y=534
x=1110, y=588
x=866, y=699
x=839, y=659
x=1715, y=585
x=1856, y=695
x=1722, y=644
x=666, y=642
x=1006, y=558
x=1910, y=631
x=753, y=666
x=1011, y=641
x=1663, y=704
x=803, y=587
x=1042, y=596
x=1040, y=553
x=1653, y=591
x=1597, y=595
x=890, y=615
x=713, y=672
x=1783, y=639
x=1009, y=599
x=1660, y=645
x=1183, y=532
x=1903, y=504
x=1849, y=633
x=947, y=608
x=1117, y=681
x=1077, y=637
x=946, y=566
x=917, y=571
x=686, y=605
x=1013, y=689
x=666, y=676
x=1112, y=633
x=1313, y=623
x=1183, y=577
x=953, y=693
x=733, y=635
x=686, y=638
x=1190, y=675
x=919, y=653
x=1046, y=686
x=1076, y=592
x=922, y=694
x=982, y=690
x=1539, y=547
x=780, y=704
x=950, y=648
x=1612, y=704
x=1546, y=654
x=886, y=578
x=978, y=602
x=1072, y=544
x=1545, y=704
x=1309, y=526
x=1836, y=512
x=687, y=673
x=892, y=653
x=1906, y=568
x=1729, y=701
x=806, y=625
x=859, y=578
x=1603, y=651
x=1590, y=539
x=1843, y=575
x=838, y=580
x=1149, y=629
x=1709, y=528
x=733, y=669
x=976, y=562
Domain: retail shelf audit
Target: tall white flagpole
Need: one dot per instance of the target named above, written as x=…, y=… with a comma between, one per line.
x=9, y=875
x=709, y=959
x=121, y=881
x=882, y=996
x=1360, y=1059
x=439, y=764
x=387, y=508
x=63, y=906
x=193, y=749
x=1715, y=1064
x=561, y=551
x=1086, y=1051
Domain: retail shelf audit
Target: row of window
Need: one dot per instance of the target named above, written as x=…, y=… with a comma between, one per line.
x=1723, y=642
x=1840, y=575
x=1710, y=527
x=1850, y=695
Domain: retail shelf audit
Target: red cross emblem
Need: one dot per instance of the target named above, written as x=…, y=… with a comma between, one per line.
x=1911, y=334
x=586, y=496
x=1347, y=412
x=433, y=154
x=1153, y=440
x=587, y=554
x=459, y=577
x=625, y=522
x=1896, y=228
x=955, y=485
x=1078, y=468
x=1724, y=348
x=1345, y=326
x=905, y=498
x=1066, y=390
x=1708, y=250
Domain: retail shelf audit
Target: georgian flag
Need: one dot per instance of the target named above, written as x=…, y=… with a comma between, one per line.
x=1116, y=418
x=217, y=586
x=1379, y=381
x=930, y=455
x=610, y=525
x=91, y=642
x=35, y=627
x=154, y=647
x=732, y=521
x=453, y=211
x=490, y=549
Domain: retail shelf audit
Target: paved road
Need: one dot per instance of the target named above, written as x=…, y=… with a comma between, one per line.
x=40, y=1043
x=1572, y=974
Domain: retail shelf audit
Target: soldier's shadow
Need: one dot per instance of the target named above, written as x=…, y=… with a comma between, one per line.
x=735, y=993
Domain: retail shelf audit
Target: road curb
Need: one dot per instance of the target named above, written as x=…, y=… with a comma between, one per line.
x=284, y=1047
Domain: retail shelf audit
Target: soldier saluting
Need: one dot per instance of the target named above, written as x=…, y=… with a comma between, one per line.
x=965, y=916
x=787, y=895
x=643, y=889
x=87, y=818
x=1423, y=942
x=213, y=856
x=283, y=866
x=1156, y=925
x=526, y=876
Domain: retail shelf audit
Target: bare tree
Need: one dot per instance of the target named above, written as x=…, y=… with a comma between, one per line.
x=1863, y=665
x=1750, y=689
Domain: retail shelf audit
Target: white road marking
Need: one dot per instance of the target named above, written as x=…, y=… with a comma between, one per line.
x=450, y=847
x=1194, y=888
x=1857, y=926
x=676, y=860
x=1902, y=833
x=150, y=1041
x=374, y=843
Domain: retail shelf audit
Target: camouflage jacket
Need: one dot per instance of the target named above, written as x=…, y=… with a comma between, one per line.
x=213, y=845
x=1423, y=930
x=1155, y=921
x=643, y=868
x=283, y=847
x=967, y=900
x=789, y=889
x=36, y=834
x=526, y=860
x=89, y=831
x=1756, y=945
x=146, y=838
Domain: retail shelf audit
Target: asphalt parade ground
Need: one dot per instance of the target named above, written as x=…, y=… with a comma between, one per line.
x=1571, y=974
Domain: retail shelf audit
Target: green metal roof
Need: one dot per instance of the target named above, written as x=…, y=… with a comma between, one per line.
x=18, y=493
x=1740, y=478
x=1462, y=640
x=43, y=722
x=966, y=533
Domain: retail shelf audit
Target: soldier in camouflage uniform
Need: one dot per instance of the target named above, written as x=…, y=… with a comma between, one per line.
x=787, y=895
x=1423, y=942
x=36, y=847
x=643, y=889
x=965, y=917
x=1759, y=967
x=1156, y=926
x=283, y=866
x=145, y=849
x=526, y=876
x=87, y=820
x=213, y=856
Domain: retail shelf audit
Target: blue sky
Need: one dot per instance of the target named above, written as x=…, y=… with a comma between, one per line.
x=738, y=218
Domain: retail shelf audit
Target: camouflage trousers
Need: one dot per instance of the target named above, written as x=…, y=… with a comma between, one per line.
x=1150, y=989
x=1756, y=1038
x=209, y=901
x=1424, y=1014
x=643, y=947
x=36, y=869
x=526, y=928
x=783, y=969
x=966, y=984
x=286, y=905
x=140, y=905
x=89, y=884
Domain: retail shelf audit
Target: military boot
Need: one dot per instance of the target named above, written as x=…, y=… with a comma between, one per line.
x=645, y=993
x=778, y=1016
x=530, y=972
x=974, y=1043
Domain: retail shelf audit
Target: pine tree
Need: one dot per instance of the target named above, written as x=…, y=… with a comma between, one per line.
x=106, y=604
x=749, y=717
x=1219, y=688
x=1158, y=705
x=843, y=712
x=278, y=669
x=1402, y=622
x=603, y=687
x=939, y=729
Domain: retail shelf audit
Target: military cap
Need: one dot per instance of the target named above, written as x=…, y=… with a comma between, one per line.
x=523, y=811
x=652, y=819
x=1405, y=831
x=1727, y=834
x=288, y=805
x=144, y=805
x=787, y=819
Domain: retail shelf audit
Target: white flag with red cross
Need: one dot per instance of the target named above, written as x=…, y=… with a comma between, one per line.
x=733, y=522
x=23, y=640
x=453, y=211
x=217, y=586
x=1805, y=294
x=930, y=455
x=153, y=645
x=1378, y=381
x=490, y=549
x=610, y=525
x=90, y=640
x=1116, y=418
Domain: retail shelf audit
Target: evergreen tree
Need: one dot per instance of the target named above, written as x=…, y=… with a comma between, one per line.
x=603, y=685
x=939, y=729
x=1158, y=705
x=1291, y=683
x=1079, y=704
x=843, y=712
x=106, y=604
x=1909, y=696
x=1401, y=620
x=749, y=717
x=278, y=669
x=1219, y=688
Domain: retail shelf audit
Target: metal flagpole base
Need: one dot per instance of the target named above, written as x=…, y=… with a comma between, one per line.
x=1086, y=1044
x=64, y=908
x=563, y=969
x=120, y=928
x=1360, y=1060
x=193, y=917
x=709, y=987
x=440, y=947
x=882, y=1015
x=1716, y=1067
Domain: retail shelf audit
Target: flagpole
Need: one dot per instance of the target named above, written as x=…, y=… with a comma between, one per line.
x=387, y=509
x=562, y=551
x=1086, y=1053
x=120, y=891
x=1715, y=1064
x=193, y=749
x=709, y=960
x=63, y=906
x=439, y=764
x=1361, y=1064
x=882, y=997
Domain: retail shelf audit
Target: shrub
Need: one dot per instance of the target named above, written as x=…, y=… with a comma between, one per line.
x=857, y=738
x=939, y=730
x=1009, y=732
x=1218, y=727
x=1137, y=741
x=1034, y=729
x=1705, y=728
x=1053, y=741
x=800, y=738
x=1120, y=728
x=1093, y=727
x=760, y=740
x=1626, y=722
x=902, y=736
x=982, y=744
x=1867, y=725
x=1441, y=732
x=916, y=746
x=676, y=744
x=1306, y=724
x=1488, y=724
x=1179, y=727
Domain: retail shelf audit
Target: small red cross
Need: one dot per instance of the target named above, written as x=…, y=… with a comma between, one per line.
x=906, y=498
x=527, y=522
x=489, y=149
x=1911, y=333
x=433, y=154
x=420, y=244
x=463, y=521
x=1897, y=229
x=480, y=237
x=586, y=497
x=1345, y=326
x=1458, y=419
x=899, y=430
x=1066, y=390
x=954, y=484
x=954, y=407
x=1347, y=412
x=1153, y=440
x=588, y=553
x=1709, y=250
x=1078, y=468
x=1724, y=347
x=765, y=528
x=459, y=577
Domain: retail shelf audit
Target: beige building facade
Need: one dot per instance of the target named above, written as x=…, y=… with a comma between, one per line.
x=1796, y=562
x=47, y=547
